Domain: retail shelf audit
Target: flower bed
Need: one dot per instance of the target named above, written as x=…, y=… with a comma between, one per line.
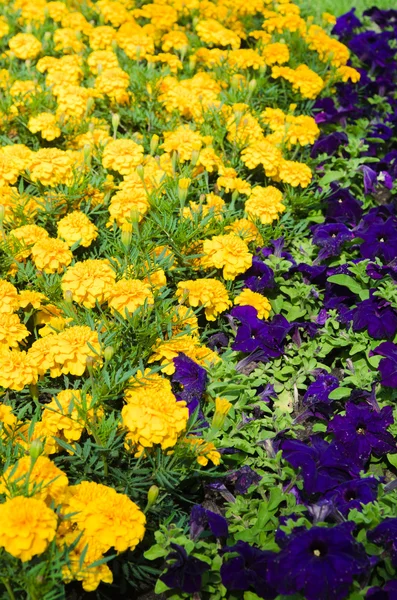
x=198, y=301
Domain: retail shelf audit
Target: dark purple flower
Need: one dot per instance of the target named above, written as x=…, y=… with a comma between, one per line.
x=363, y=431
x=217, y=341
x=380, y=240
x=330, y=237
x=385, y=535
x=381, y=131
x=259, y=276
x=320, y=510
x=320, y=389
x=373, y=48
x=346, y=24
x=315, y=274
x=200, y=518
x=376, y=271
x=328, y=144
x=267, y=393
x=318, y=560
x=370, y=179
x=383, y=18
x=184, y=572
x=342, y=206
x=353, y=494
x=388, y=364
x=322, y=317
x=193, y=378
x=377, y=316
x=276, y=249
x=387, y=592
x=243, y=478
x=248, y=570
x=254, y=334
x=322, y=465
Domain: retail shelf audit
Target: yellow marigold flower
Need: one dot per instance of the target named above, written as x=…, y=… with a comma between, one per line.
x=25, y=46
x=105, y=59
x=114, y=83
x=51, y=255
x=8, y=297
x=128, y=295
x=101, y=37
x=110, y=518
x=328, y=18
x=122, y=156
x=56, y=10
x=349, y=74
x=328, y=48
x=125, y=204
x=166, y=350
x=52, y=318
x=39, y=478
x=41, y=353
x=8, y=171
x=141, y=383
x=204, y=451
x=277, y=53
x=8, y=421
x=27, y=526
x=30, y=298
x=27, y=236
x=302, y=130
x=209, y=293
x=228, y=252
x=249, y=298
x=16, y=370
x=46, y=124
x=183, y=140
x=295, y=173
x=71, y=350
x=246, y=229
x=262, y=153
x=12, y=331
x=51, y=167
x=156, y=279
x=114, y=12
x=265, y=204
x=153, y=418
x=68, y=40
x=4, y=27
x=90, y=281
x=211, y=31
x=222, y=408
x=176, y=40
x=303, y=79
x=77, y=227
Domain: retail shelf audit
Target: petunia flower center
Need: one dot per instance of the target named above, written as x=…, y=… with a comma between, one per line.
x=360, y=429
x=318, y=549
x=350, y=495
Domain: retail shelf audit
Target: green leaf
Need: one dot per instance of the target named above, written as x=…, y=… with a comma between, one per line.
x=155, y=552
x=348, y=282
x=331, y=176
x=160, y=587
x=339, y=393
x=392, y=458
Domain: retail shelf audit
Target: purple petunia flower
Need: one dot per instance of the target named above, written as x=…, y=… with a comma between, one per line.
x=387, y=592
x=388, y=364
x=346, y=24
x=328, y=144
x=342, y=206
x=320, y=389
x=377, y=316
x=259, y=276
x=330, y=238
x=353, y=494
x=254, y=334
x=192, y=377
x=323, y=466
x=385, y=534
x=363, y=431
x=379, y=240
x=243, y=478
x=317, y=561
x=217, y=341
x=370, y=179
x=248, y=570
x=184, y=572
x=200, y=518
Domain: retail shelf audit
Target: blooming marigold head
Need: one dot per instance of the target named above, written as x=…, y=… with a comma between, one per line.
x=127, y=295
x=77, y=227
x=209, y=293
x=51, y=255
x=265, y=204
x=228, y=252
x=249, y=298
x=90, y=281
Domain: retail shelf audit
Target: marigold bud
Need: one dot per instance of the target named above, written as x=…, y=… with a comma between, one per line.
x=108, y=353
x=154, y=142
x=115, y=123
x=2, y=212
x=68, y=296
x=222, y=407
x=152, y=496
x=35, y=449
x=126, y=237
x=252, y=85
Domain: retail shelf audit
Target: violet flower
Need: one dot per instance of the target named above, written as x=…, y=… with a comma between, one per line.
x=377, y=316
x=342, y=206
x=248, y=570
x=388, y=365
x=385, y=535
x=320, y=389
x=259, y=276
x=363, y=431
x=353, y=494
x=387, y=592
x=318, y=560
x=328, y=144
x=193, y=378
x=346, y=24
x=330, y=238
x=184, y=572
x=380, y=240
x=242, y=479
x=254, y=334
x=201, y=518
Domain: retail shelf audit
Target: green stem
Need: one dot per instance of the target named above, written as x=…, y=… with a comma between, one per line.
x=8, y=588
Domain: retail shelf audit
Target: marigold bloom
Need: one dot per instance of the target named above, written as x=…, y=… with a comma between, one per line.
x=40, y=478
x=249, y=298
x=46, y=124
x=205, y=451
x=110, y=518
x=153, y=418
x=26, y=236
x=349, y=74
x=211, y=31
x=12, y=331
x=209, y=293
x=183, y=140
x=25, y=46
x=8, y=421
x=122, y=156
x=276, y=53
x=228, y=252
x=303, y=79
x=51, y=167
x=71, y=350
x=265, y=204
x=262, y=153
x=128, y=295
x=51, y=255
x=27, y=526
x=8, y=297
x=295, y=173
x=30, y=298
x=16, y=370
x=125, y=204
x=165, y=351
x=90, y=281
x=246, y=229
x=77, y=227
